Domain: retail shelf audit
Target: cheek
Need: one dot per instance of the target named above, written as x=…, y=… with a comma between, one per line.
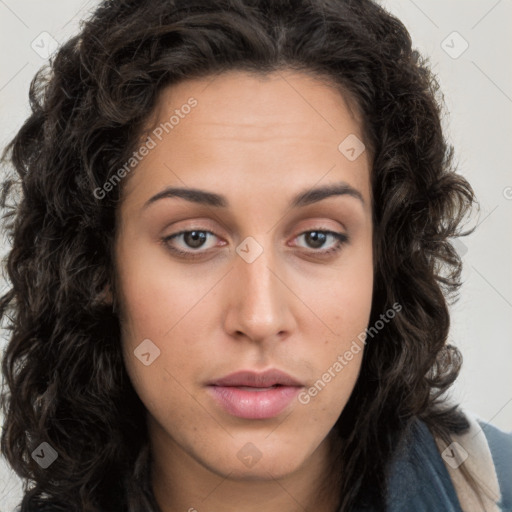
x=341, y=294
x=343, y=305
x=330, y=391
x=345, y=309
x=153, y=294
x=151, y=306
x=163, y=385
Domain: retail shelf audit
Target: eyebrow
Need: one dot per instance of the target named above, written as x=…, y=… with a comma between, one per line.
x=303, y=198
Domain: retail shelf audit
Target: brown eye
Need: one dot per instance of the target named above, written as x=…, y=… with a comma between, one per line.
x=194, y=239
x=193, y=243
x=316, y=239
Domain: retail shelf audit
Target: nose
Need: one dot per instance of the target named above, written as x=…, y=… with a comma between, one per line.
x=260, y=301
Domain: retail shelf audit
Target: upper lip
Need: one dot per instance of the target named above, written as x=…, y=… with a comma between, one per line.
x=256, y=380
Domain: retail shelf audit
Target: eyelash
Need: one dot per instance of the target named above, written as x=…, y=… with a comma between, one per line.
x=341, y=240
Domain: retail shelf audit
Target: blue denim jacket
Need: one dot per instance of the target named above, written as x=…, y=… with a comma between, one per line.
x=419, y=480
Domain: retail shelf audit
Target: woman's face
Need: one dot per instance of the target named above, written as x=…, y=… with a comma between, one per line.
x=271, y=275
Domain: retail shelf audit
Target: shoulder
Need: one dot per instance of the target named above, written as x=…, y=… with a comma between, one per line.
x=485, y=452
x=416, y=462
x=500, y=446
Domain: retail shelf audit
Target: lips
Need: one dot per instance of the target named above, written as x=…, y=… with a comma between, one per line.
x=257, y=380
x=252, y=395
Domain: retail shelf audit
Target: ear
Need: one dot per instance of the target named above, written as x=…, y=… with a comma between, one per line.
x=105, y=296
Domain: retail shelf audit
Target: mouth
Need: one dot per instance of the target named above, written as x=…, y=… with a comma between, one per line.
x=251, y=395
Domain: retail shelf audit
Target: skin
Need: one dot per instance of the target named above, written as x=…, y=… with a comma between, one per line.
x=257, y=140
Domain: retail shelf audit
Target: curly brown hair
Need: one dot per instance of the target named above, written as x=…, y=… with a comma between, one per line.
x=64, y=378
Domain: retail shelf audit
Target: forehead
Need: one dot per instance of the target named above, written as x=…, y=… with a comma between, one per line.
x=257, y=105
x=268, y=125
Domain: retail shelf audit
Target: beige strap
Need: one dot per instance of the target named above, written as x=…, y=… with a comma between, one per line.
x=472, y=450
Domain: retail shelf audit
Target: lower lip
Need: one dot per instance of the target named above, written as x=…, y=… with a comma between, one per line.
x=254, y=404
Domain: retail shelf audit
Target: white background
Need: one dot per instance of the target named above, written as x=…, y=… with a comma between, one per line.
x=478, y=92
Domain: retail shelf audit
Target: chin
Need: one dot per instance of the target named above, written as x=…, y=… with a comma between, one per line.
x=265, y=464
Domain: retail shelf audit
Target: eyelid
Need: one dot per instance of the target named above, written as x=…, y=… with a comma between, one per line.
x=165, y=240
x=341, y=240
x=337, y=235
